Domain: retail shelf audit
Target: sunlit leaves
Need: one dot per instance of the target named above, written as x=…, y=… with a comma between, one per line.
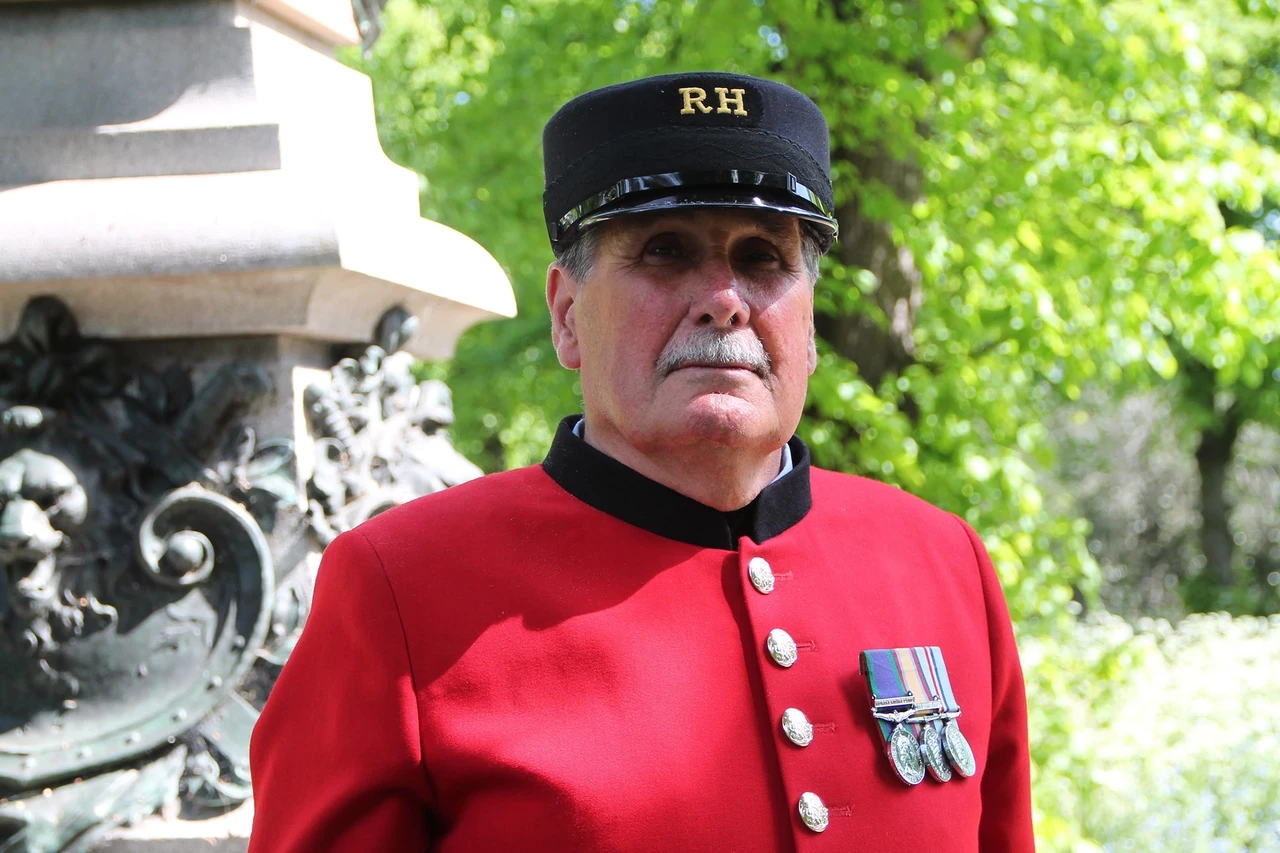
x=1134, y=750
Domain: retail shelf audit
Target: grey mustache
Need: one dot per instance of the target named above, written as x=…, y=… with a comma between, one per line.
x=716, y=348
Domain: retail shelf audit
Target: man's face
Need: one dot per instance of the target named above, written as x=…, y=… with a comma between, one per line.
x=693, y=328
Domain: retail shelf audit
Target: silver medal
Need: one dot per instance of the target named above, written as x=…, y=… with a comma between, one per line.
x=935, y=760
x=957, y=750
x=904, y=755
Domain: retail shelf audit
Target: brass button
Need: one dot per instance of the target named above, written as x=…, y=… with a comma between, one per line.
x=796, y=726
x=813, y=812
x=781, y=647
x=761, y=574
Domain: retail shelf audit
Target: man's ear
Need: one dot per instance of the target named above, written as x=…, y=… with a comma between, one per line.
x=562, y=299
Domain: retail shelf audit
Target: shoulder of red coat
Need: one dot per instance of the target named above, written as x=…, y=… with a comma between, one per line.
x=492, y=497
x=872, y=496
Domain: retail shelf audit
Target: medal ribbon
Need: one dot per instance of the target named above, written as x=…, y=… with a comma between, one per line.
x=922, y=657
x=897, y=672
x=884, y=680
x=939, y=671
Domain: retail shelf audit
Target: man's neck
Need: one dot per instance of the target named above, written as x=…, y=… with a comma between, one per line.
x=724, y=478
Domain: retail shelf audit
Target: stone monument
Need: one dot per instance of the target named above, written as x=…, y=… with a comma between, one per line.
x=213, y=289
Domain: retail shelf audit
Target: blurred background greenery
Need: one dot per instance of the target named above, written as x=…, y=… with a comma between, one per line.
x=1054, y=310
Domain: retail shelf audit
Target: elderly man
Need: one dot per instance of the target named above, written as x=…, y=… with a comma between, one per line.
x=674, y=634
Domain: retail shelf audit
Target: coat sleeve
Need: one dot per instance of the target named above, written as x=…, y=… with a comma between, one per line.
x=336, y=757
x=1006, y=823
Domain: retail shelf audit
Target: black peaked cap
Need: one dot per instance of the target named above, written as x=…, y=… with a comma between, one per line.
x=696, y=138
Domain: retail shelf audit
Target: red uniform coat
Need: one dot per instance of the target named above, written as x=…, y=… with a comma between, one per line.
x=558, y=659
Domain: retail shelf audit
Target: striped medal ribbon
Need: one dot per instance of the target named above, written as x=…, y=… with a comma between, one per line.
x=954, y=744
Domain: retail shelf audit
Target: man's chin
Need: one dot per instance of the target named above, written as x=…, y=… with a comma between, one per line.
x=726, y=420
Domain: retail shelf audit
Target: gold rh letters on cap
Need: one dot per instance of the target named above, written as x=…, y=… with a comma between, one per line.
x=739, y=108
x=693, y=96
x=731, y=101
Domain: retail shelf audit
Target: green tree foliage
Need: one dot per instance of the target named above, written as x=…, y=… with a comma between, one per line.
x=1135, y=751
x=1034, y=196
x=1177, y=184
x=1129, y=464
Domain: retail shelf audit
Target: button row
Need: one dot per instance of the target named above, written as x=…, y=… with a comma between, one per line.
x=795, y=725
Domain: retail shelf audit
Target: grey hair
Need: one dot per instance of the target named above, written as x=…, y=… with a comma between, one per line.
x=579, y=257
x=810, y=255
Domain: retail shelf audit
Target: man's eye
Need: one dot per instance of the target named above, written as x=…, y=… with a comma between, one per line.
x=760, y=256
x=758, y=251
x=664, y=249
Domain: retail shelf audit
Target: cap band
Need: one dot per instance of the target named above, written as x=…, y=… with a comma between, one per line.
x=685, y=180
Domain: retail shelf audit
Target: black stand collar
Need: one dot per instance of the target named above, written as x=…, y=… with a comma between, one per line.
x=602, y=482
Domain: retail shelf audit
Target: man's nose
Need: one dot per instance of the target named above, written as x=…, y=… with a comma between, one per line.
x=720, y=302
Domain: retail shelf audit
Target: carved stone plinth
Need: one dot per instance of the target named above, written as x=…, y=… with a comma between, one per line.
x=213, y=287
x=206, y=168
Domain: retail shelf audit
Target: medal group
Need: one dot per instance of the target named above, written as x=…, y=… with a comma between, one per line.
x=912, y=701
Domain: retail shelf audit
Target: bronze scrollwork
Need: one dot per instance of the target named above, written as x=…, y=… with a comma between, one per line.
x=157, y=559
